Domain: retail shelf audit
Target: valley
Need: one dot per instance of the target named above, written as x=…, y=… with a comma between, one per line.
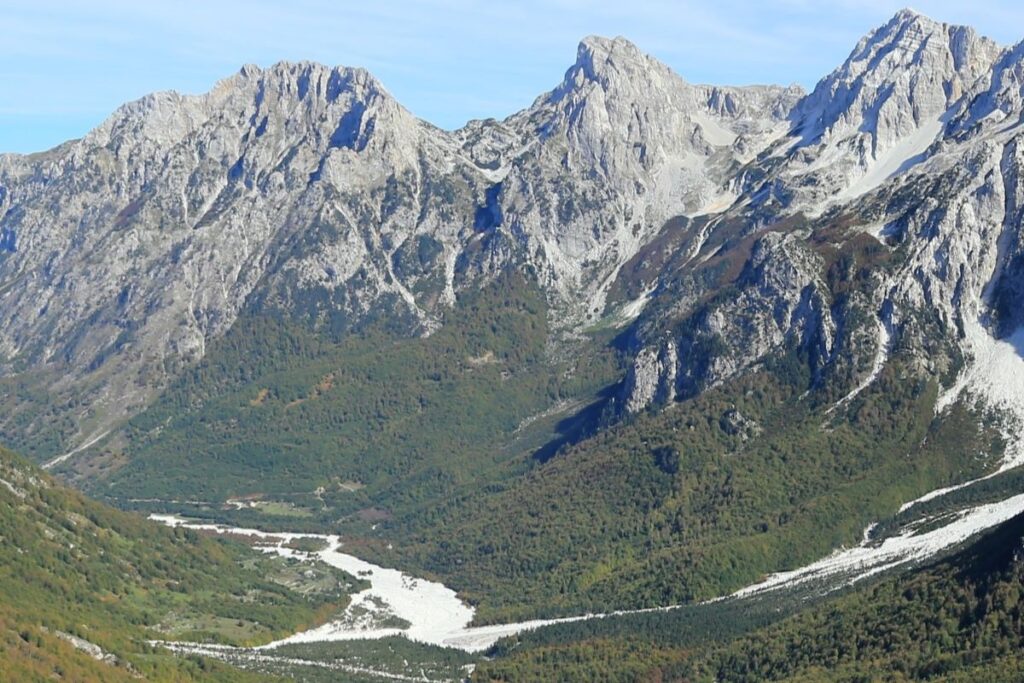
x=650, y=380
x=432, y=615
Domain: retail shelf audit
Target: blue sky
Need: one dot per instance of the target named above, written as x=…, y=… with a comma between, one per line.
x=65, y=65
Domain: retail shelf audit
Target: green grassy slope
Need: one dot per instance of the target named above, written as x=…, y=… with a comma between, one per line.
x=73, y=567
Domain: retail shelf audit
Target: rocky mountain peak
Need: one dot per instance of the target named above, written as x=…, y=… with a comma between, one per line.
x=876, y=115
x=995, y=101
x=210, y=195
x=306, y=79
x=615, y=91
x=615, y=68
x=908, y=17
x=601, y=59
x=900, y=76
x=341, y=106
x=625, y=144
x=298, y=95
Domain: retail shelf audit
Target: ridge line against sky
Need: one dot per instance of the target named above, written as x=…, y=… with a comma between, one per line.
x=66, y=65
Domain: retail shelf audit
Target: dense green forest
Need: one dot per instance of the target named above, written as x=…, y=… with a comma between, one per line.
x=369, y=420
x=73, y=568
x=696, y=500
x=959, y=619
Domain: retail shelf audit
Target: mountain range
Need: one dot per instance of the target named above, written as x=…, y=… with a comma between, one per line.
x=642, y=343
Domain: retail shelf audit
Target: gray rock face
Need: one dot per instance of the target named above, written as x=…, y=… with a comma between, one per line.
x=942, y=204
x=130, y=249
x=877, y=114
x=308, y=191
x=652, y=379
x=602, y=161
x=778, y=300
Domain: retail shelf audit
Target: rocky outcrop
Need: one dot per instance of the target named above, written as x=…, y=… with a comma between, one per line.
x=309, y=192
x=878, y=113
x=652, y=378
x=944, y=283
x=778, y=301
